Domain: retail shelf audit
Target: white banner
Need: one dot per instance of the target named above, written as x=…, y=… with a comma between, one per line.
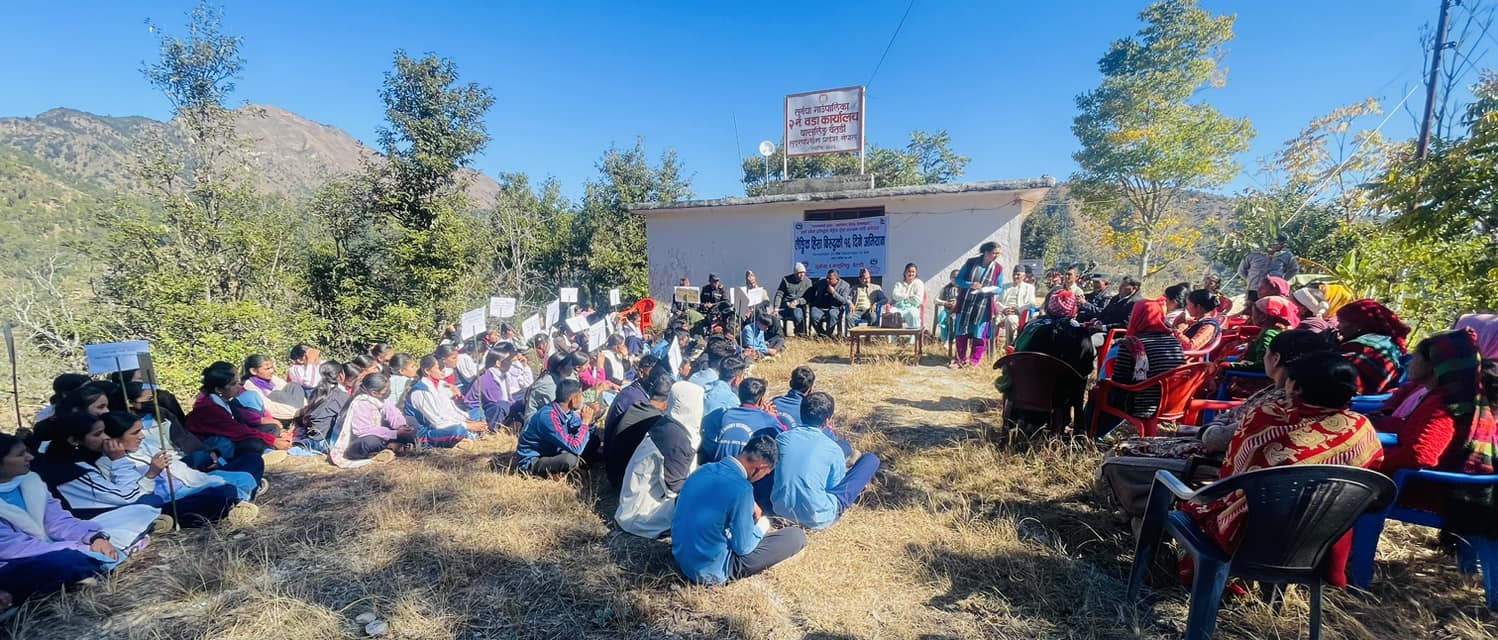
x=568, y=295
x=472, y=323
x=553, y=314
x=598, y=334
x=502, y=307
x=110, y=357
x=531, y=327
x=824, y=122
x=845, y=245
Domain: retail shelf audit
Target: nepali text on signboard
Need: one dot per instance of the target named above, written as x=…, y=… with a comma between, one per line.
x=845, y=245
x=824, y=122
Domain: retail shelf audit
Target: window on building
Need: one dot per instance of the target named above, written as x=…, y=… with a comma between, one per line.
x=816, y=215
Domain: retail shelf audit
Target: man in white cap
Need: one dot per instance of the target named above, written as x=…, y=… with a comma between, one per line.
x=790, y=297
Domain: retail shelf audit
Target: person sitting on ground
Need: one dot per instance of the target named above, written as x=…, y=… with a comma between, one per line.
x=403, y=371
x=382, y=353
x=1129, y=469
x=788, y=406
x=497, y=392
x=555, y=438
x=723, y=393
x=828, y=298
x=908, y=298
x=469, y=361
x=447, y=361
x=813, y=487
x=200, y=499
x=591, y=373
x=946, y=304
x=559, y=367
x=718, y=533
x=439, y=421
x=1148, y=349
x=220, y=421
x=1204, y=326
x=372, y=428
x=61, y=386
x=633, y=393
x=757, y=337
x=139, y=399
x=672, y=348
x=318, y=420
x=660, y=465
x=71, y=467
x=725, y=433
x=265, y=393
x=245, y=473
x=43, y=548
x=93, y=398
x=305, y=367
x=1058, y=335
x=1015, y=298
x=1373, y=340
x=623, y=436
x=866, y=299
x=718, y=348
x=1312, y=426
x=790, y=297
x=616, y=361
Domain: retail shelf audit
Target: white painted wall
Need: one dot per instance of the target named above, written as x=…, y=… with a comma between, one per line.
x=935, y=231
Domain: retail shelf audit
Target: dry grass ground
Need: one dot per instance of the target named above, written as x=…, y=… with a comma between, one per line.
x=957, y=539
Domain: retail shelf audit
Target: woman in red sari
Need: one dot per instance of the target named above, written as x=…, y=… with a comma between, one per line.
x=1312, y=426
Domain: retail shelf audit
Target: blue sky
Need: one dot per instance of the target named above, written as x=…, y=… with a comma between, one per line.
x=571, y=80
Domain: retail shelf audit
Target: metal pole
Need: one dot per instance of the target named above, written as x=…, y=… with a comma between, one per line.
x=1438, y=44
x=15, y=376
x=863, y=103
x=767, y=172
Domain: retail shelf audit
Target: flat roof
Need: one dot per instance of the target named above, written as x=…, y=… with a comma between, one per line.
x=855, y=194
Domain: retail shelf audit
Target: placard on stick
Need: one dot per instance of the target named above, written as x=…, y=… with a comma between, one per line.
x=568, y=295
x=614, y=297
x=689, y=295
x=473, y=323
x=598, y=334
x=553, y=313
x=109, y=357
x=502, y=307
x=531, y=327
x=577, y=324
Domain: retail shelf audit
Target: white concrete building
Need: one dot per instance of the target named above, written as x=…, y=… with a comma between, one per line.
x=935, y=226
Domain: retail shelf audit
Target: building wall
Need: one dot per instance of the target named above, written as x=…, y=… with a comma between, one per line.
x=936, y=231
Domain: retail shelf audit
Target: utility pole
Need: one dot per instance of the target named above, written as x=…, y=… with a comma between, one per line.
x=1437, y=45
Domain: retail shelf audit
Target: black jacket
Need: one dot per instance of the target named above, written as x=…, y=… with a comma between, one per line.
x=792, y=291
x=826, y=296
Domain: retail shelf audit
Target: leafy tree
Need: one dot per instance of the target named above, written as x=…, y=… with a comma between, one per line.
x=1145, y=142
x=927, y=159
x=533, y=243
x=615, y=253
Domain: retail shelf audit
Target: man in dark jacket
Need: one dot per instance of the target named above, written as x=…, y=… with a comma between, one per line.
x=1115, y=315
x=827, y=299
x=790, y=296
x=622, y=438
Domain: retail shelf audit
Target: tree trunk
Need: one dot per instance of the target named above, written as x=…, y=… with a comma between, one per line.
x=1144, y=258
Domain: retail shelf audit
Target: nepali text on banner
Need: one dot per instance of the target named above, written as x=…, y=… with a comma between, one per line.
x=845, y=245
x=824, y=122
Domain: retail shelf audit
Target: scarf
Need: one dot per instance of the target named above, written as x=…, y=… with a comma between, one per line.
x=32, y=520
x=1148, y=316
x=1372, y=317
x=1311, y=300
x=1337, y=296
x=1062, y=304
x=1485, y=326
x=265, y=386
x=1458, y=371
x=1279, y=285
x=1279, y=308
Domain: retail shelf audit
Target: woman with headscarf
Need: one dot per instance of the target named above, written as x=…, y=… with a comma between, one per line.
x=661, y=464
x=1274, y=286
x=1312, y=426
x=1312, y=310
x=1272, y=315
x=977, y=282
x=1148, y=349
x=1451, y=399
x=1337, y=295
x=1373, y=339
x=1485, y=326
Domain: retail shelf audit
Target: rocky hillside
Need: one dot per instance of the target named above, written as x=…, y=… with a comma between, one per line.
x=80, y=151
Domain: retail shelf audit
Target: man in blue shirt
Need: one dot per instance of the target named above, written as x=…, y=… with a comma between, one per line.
x=715, y=533
x=723, y=393
x=554, y=439
x=788, y=406
x=726, y=434
x=812, y=487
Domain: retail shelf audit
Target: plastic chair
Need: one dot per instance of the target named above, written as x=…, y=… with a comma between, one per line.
x=1102, y=352
x=1472, y=552
x=1177, y=386
x=1034, y=380
x=1370, y=403
x=1204, y=354
x=1295, y=514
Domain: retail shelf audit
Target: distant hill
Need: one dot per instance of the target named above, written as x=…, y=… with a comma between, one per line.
x=287, y=154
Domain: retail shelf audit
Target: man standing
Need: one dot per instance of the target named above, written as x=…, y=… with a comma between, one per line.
x=866, y=297
x=790, y=297
x=827, y=299
x=717, y=530
x=1282, y=263
x=1255, y=267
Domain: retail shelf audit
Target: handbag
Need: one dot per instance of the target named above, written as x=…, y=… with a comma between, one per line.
x=891, y=321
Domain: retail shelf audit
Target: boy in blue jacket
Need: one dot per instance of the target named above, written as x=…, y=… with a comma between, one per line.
x=554, y=439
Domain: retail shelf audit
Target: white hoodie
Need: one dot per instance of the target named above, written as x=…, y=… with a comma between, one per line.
x=646, y=504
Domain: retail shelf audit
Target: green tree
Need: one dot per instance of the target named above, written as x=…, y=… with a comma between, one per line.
x=927, y=159
x=1146, y=141
x=615, y=252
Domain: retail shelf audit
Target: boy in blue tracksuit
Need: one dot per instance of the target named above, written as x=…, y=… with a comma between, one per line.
x=812, y=487
x=724, y=435
x=716, y=535
x=554, y=439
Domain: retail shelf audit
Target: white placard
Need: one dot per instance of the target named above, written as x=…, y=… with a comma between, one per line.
x=472, y=323
x=110, y=357
x=754, y=296
x=531, y=327
x=689, y=295
x=824, y=121
x=553, y=314
x=502, y=307
x=597, y=335
x=568, y=294
x=577, y=324
x=614, y=297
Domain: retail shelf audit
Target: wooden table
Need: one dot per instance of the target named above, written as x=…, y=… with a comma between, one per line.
x=857, y=334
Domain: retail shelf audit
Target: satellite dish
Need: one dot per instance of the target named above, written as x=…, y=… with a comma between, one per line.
x=767, y=148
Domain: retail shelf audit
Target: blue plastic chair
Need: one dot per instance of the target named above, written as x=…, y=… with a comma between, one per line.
x=1295, y=514
x=1472, y=551
x=1370, y=403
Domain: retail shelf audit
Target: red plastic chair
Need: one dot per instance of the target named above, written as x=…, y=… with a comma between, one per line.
x=1102, y=352
x=1177, y=387
x=1204, y=354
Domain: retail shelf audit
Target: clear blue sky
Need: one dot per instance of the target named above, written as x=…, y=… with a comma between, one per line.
x=571, y=80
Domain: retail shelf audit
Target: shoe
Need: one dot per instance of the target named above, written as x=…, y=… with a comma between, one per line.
x=464, y=445
x=386, y=455
x=241, y=514
x=163, y=523
x=274, y=456
x=264, y=486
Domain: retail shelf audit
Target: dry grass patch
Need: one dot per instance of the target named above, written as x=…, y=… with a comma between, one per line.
x=957, y=538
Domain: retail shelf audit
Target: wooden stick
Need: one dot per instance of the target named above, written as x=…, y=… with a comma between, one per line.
x=171, y=488
x=15, y=376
